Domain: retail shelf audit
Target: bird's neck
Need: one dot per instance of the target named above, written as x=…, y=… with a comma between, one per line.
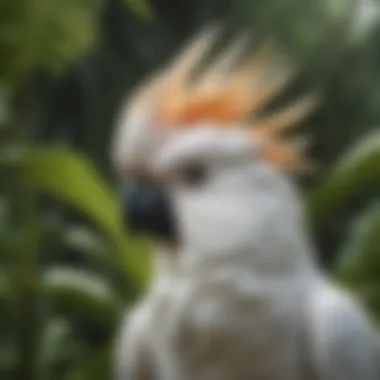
x=173, y=263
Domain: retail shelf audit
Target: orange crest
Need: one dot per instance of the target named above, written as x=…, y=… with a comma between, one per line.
x=228, y=95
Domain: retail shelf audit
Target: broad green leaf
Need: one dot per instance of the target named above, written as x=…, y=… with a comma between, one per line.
x=69, y=177
x=358, y=169
x=87, y=242
x=83, y=293
x=358, y=264
x=359, y=259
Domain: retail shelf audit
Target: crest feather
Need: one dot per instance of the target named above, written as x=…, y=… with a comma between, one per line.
x=174, y=97
x=287, y=118
x=227, y=94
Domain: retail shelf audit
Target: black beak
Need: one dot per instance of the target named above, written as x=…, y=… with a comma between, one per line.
x=148, y=210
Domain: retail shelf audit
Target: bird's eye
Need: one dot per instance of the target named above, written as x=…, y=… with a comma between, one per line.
x=192, y=174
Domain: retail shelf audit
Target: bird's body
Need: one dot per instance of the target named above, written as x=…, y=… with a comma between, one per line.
x=225, y=326
x=237, y=293
x=237, y=324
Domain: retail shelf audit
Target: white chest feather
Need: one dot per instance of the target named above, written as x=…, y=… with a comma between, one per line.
x=227, y=327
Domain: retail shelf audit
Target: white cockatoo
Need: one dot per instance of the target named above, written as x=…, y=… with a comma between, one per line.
x=236, y=292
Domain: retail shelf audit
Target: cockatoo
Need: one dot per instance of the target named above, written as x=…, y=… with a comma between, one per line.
x=236, y=291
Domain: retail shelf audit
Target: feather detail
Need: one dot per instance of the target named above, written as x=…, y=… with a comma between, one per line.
x=228, y=93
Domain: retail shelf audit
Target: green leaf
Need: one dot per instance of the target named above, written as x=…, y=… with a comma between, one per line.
x=357, y=170
x=359, y=259
x=87, y=242
x=69, y=177
x=358, y=264
x=83, y=293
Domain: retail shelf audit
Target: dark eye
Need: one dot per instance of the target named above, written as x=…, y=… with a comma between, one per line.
x=192, y=174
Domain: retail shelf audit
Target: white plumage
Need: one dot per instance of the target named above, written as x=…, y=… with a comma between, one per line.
x=239, y=296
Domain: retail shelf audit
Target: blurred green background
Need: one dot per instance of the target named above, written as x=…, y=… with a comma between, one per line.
x=67, y=266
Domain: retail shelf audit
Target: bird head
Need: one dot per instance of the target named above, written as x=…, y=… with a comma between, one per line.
x=203, y=168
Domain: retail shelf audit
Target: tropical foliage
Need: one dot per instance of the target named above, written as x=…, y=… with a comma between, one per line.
x=68, y=268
